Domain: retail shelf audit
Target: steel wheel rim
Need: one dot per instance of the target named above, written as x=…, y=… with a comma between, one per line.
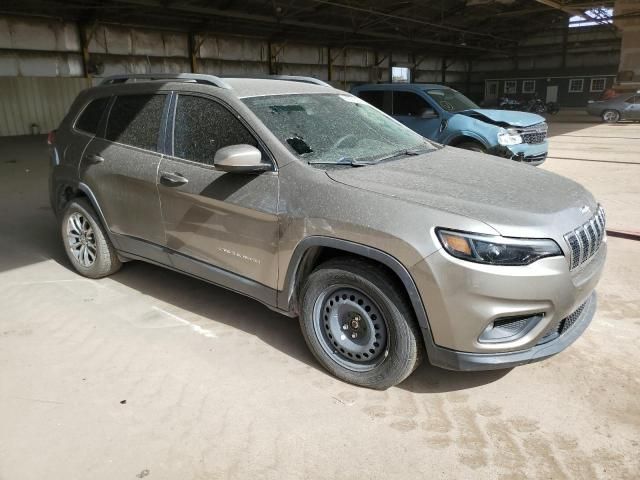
x=81, y=240
x=351, y=328
x=611, y=116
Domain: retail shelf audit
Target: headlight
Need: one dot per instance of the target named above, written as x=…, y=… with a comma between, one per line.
x=496, y=250
x=510, y=136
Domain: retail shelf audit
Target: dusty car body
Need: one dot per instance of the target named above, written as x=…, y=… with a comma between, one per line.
x=388, y=247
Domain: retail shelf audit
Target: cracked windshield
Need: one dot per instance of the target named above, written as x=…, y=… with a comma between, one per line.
x=452, y=100
x=336, y=129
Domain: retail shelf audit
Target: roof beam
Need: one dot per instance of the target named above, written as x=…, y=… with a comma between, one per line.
x=560, y=6
x=407, y=19
x=272, y=20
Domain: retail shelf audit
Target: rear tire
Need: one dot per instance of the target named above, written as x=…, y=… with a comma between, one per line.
x=358, y=324
x=473, y=146
x=611, y=116
x=86, y=242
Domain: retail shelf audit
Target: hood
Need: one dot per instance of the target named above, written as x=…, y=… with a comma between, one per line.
x=514, y=199
x=504, y=118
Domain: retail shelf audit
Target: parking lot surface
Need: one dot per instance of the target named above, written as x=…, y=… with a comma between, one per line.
x=151, y=374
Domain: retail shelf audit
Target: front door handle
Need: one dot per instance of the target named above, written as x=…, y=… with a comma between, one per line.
x=172, y=179
x=93, y=158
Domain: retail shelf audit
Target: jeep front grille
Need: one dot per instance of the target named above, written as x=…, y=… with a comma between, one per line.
x=561, y=327
x=535, y=133
x=585, y=240
x=567, y=322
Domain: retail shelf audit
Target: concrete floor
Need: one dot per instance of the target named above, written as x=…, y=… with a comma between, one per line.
x=153, y=374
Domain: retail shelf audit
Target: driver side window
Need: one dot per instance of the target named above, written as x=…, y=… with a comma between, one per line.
x=203, y=126
x=409, y=104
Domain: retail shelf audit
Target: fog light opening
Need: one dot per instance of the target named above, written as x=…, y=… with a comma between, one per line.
x=508, y=329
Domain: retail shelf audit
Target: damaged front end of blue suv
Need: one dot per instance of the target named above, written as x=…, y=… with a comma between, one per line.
x=446, y=116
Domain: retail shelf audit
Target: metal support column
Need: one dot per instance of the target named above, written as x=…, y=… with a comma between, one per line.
x=84, y=48
x=192, y=52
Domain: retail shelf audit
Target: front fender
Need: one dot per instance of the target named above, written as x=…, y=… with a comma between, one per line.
x=455, y=137
x=285, y=296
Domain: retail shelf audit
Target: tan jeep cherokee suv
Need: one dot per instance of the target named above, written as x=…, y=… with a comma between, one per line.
x=388, y=247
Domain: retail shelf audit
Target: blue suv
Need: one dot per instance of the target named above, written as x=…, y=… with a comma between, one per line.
x=446, y=116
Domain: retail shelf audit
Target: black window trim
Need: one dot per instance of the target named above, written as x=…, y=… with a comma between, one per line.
x=105, y=113
x=171, y=126
x=105, y=120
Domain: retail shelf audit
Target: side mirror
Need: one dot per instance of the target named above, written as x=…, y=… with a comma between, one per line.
x=240, y=159
x=428, y=113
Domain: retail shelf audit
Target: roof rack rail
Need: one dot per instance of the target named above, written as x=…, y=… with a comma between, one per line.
x=291, y=78
x=298, y=78
x=147, y=77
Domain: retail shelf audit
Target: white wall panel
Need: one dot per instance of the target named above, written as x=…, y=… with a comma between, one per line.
x=175, y=44
x=5, y=33
x=38, y=34
x=146, y=42
x=9, y=65
x=39, y=64
x=35, y=100
x=117, y=40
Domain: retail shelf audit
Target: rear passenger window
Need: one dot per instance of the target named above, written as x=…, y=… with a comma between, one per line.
x=203, y=126
x=91, y=115
x=135, y=120
x=408, y=103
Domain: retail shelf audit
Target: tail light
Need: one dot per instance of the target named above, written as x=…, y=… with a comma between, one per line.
x=51, y=138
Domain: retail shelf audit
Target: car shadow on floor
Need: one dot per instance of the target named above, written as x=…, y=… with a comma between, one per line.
x=216, y=305
x=430, y=379
x=219, y=305
x=40, y=240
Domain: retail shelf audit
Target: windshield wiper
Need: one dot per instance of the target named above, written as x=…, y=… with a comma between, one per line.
x=407, y=152
x=343, y=161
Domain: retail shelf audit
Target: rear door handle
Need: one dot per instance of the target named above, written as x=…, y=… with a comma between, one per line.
x=172, y=179
x=93, y=158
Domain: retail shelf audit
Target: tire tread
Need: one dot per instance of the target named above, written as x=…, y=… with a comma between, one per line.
x=396, y=367
x=107, y=261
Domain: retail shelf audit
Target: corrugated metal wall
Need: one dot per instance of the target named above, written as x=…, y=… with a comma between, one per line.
x=41, y=65
x=36, y=100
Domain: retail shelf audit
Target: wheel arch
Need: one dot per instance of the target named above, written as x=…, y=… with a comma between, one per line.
x=314, y=250
x=468, y=137
x=67, y=191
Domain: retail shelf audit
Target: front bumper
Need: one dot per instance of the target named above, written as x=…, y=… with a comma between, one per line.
x=464, y=299
x=532, y=154
x=466, y=361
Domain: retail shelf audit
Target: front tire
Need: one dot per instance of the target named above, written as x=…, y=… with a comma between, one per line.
x=86, y=242
x=473, y=146
x=611, y=116
x=358, y=324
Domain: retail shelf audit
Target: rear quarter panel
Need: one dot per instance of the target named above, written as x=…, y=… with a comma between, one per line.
x=66, y=152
